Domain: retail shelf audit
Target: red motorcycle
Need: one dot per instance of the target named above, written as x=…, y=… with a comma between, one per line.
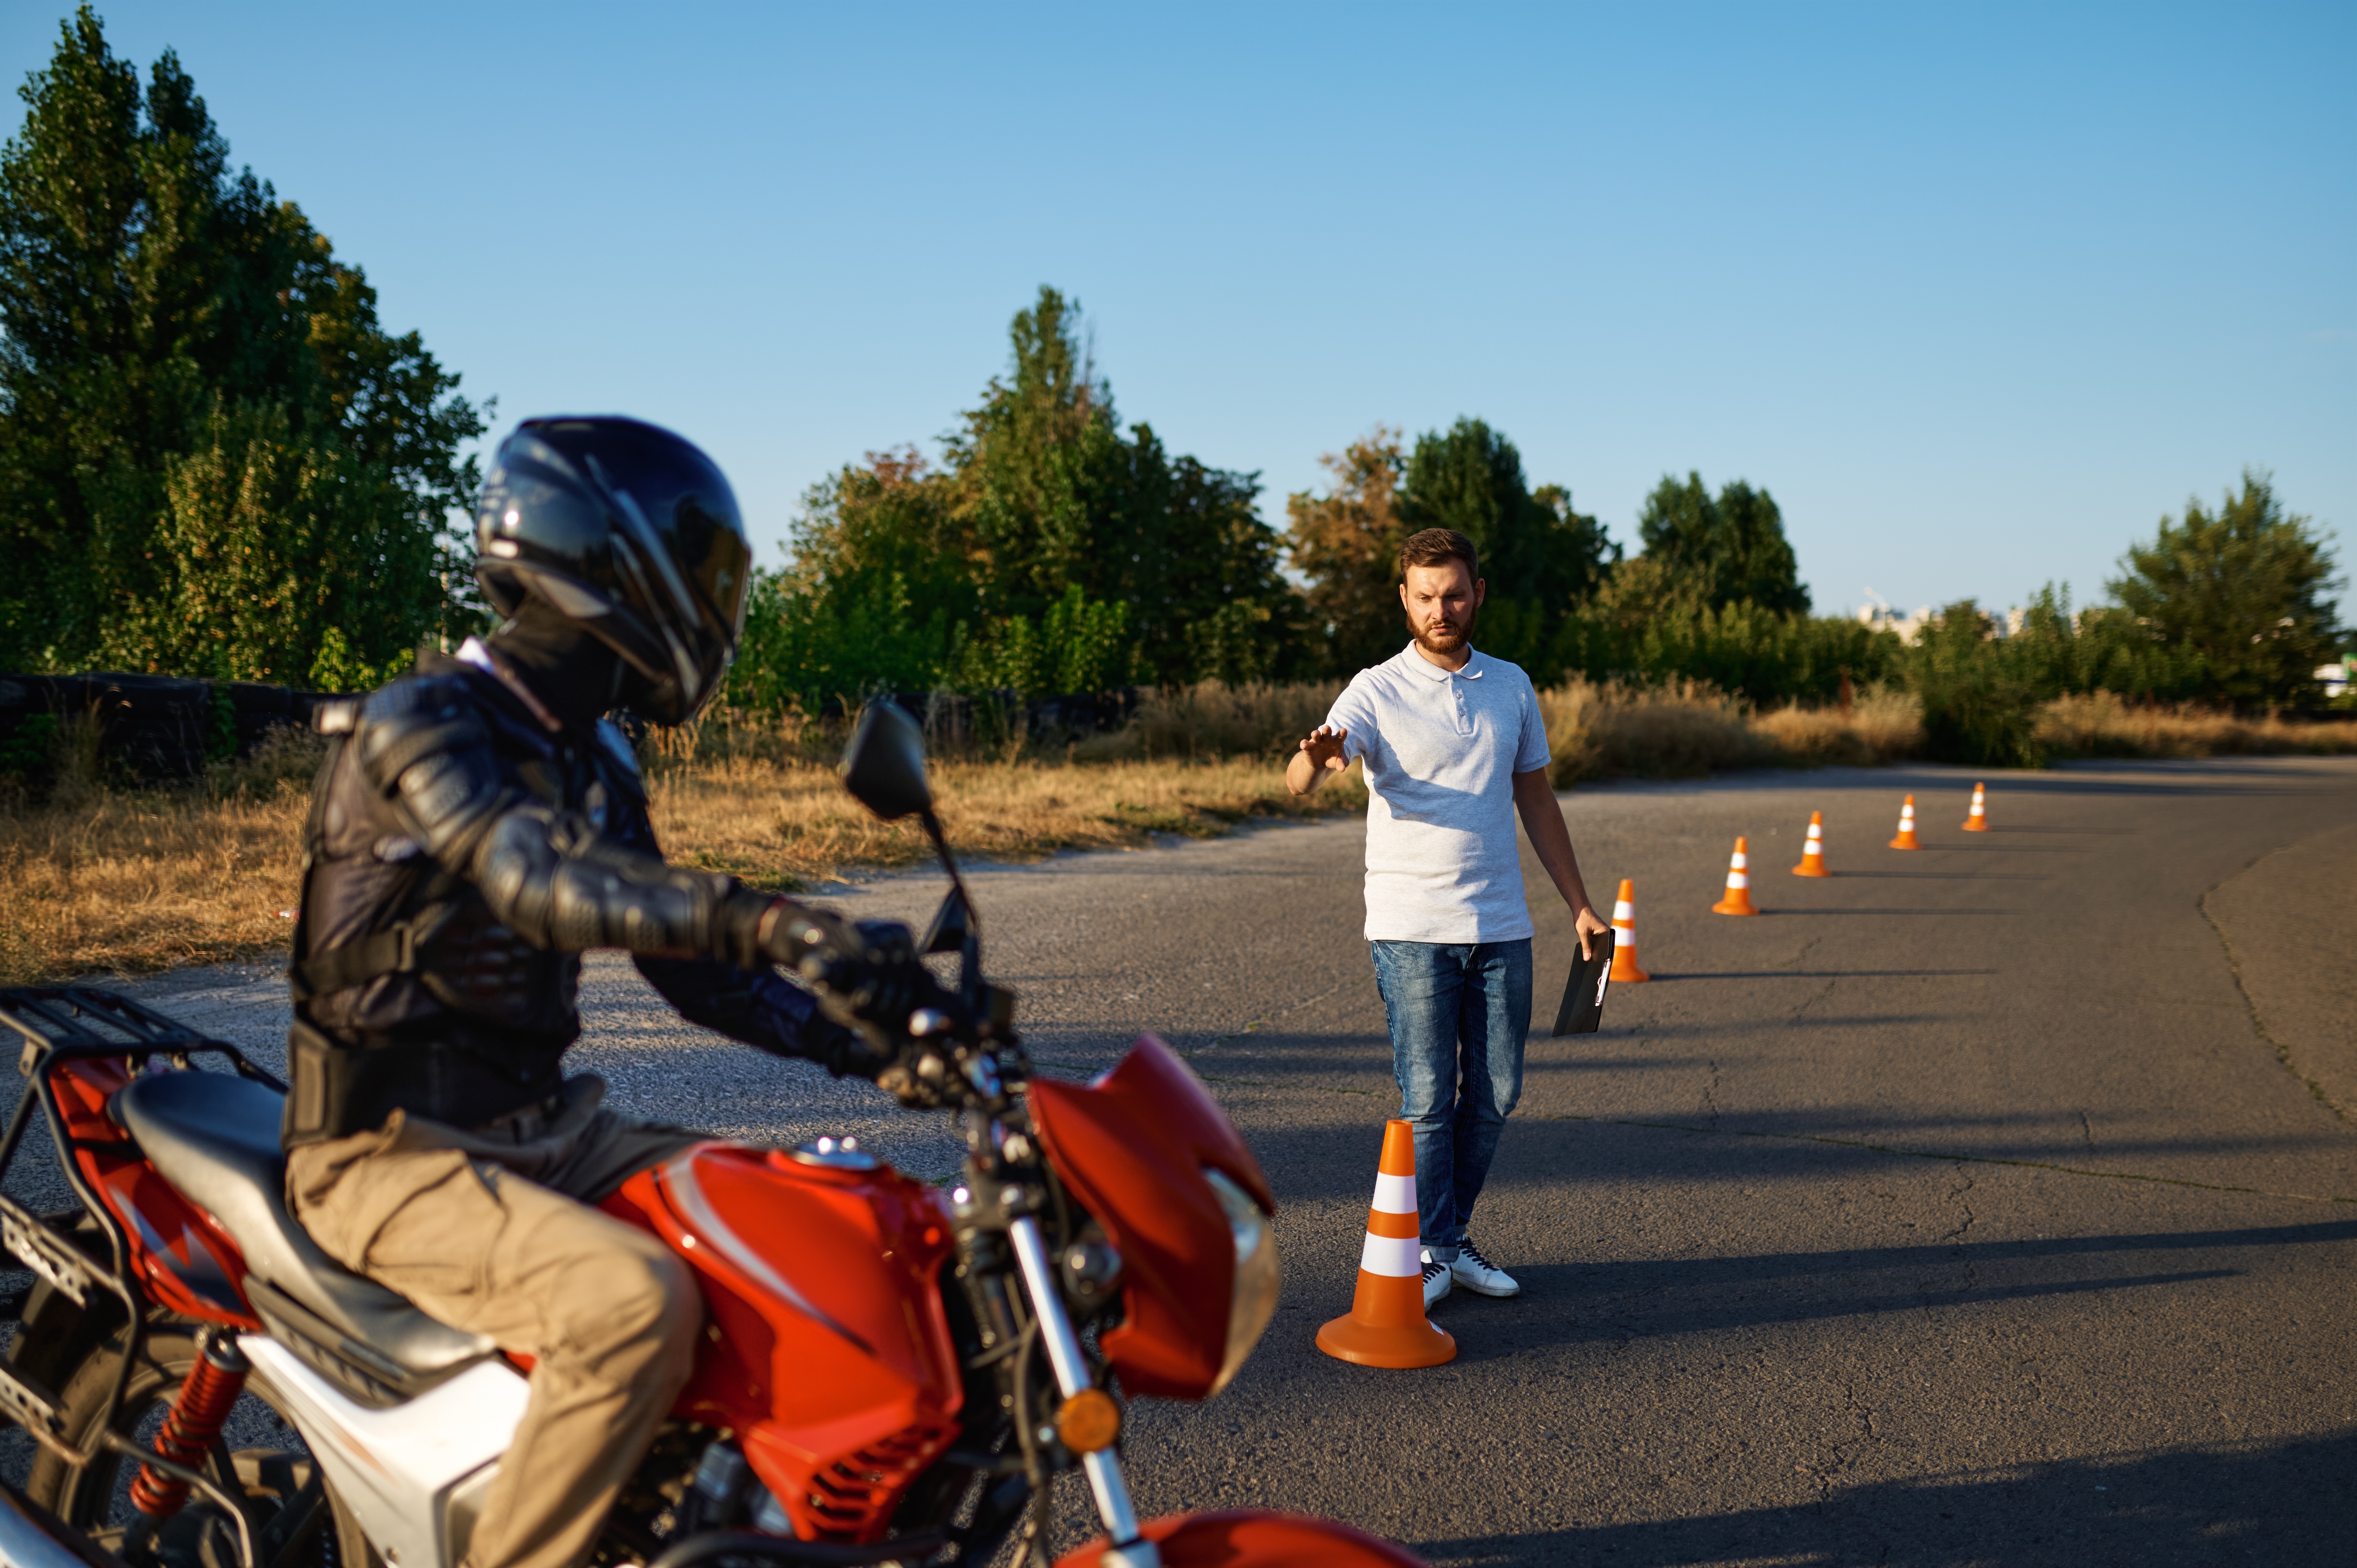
x=891, y=1373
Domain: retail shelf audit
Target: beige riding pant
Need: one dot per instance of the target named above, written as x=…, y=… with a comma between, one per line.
x=490, y=1231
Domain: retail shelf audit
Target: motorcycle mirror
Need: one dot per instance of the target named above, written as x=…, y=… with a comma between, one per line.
x=953, y=924
x=884, y=766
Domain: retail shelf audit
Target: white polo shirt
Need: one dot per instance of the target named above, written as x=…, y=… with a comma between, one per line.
x=1441, y=748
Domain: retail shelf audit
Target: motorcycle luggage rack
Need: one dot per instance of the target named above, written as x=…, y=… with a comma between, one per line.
x=61, y=1024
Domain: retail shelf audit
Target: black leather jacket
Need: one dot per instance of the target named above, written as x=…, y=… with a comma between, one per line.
x=461, y=856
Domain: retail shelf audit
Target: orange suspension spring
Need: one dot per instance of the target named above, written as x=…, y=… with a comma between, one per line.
x=196, y=1418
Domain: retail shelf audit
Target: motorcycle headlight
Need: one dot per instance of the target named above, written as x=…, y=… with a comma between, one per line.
x=1253, y=1300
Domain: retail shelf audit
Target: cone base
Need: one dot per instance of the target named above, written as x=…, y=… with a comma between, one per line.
x=1417, y=1344
x=1975, y=826
x=1905, y=841
x=1627, y=975
x=1724, y=908
x=1805, y=869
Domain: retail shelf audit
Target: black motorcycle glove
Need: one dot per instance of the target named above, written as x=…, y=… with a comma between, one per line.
x=868, y=971
x=845, y=1053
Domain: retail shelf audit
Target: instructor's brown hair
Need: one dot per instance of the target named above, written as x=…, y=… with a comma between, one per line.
x=1435, y=545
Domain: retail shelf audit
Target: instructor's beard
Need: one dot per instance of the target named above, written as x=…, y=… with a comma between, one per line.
x=1447, y=640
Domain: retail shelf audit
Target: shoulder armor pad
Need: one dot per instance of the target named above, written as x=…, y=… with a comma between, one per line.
x=413, y=718
x=413, y=698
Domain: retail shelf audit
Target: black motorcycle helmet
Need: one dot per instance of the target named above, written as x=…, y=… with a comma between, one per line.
x=630, y=532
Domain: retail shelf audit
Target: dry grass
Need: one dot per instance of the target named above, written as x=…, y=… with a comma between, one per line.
x=2105, y=726
x=137, y=881
x=1255, y=719
x=788, y=825
x=1677, y=731
x=125, y=881
x=1882, y=725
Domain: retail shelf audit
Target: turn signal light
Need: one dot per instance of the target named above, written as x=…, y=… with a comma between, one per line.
x=1089, y=1421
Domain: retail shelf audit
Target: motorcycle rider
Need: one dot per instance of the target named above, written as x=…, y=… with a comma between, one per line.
x=480, y=826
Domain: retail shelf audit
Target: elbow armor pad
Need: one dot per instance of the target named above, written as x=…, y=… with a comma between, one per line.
x=550, y=876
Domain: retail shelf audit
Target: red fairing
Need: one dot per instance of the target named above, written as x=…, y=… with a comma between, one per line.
x=828, y=1351
x=187, y=1260
x=1249, y=1538
x=1133, y=1146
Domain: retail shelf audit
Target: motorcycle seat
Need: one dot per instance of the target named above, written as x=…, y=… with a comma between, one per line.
x=214, y=1138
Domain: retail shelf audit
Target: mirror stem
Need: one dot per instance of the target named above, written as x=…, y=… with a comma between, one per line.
x=970, y=954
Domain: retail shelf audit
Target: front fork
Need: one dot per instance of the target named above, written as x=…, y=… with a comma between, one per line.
x=1128, y=1548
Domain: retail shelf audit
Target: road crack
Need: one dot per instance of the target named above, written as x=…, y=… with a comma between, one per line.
x=1957, y=1197
x=1261, y=1022
x=1795, y=1015
x=2251, y=1003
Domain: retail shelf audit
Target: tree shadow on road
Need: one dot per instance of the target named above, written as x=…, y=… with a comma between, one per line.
x=1943, y=876
x=2283, y=1502
x=1821, y=973
x=1645, y=1298
x=1572, y=1150
x=1785, y=914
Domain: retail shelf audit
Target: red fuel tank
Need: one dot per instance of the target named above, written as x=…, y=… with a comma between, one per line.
x=826, y=1348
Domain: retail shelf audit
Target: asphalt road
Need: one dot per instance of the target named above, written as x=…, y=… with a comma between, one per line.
x=1991, y=1204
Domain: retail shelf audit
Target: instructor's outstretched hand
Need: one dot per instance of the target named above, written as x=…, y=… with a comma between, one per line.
x=1320, y=755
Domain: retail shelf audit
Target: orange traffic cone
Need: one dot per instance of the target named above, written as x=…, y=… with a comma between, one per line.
x=1906, y=838
x=1739, y=884
x=1812, y=853
x=1978, y=822
x=1386, y=1326
x=1624, y=937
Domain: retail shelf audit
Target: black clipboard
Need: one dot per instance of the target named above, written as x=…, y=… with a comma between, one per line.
x=1583, y=994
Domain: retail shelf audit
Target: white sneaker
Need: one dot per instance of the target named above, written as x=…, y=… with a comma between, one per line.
x=1478, y=1273
x=1436, y=1280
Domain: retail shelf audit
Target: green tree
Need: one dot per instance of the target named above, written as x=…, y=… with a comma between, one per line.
x=2247, y=588
x=1057, y=497
x=1541, y=559
x=154, y=306
x=1045, y=535
x=1731, y=548
x=1346, y=542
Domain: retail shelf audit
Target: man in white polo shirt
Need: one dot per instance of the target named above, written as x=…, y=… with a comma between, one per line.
x=1454, y=746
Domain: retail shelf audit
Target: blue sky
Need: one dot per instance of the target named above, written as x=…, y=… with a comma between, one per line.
x=1978, y=292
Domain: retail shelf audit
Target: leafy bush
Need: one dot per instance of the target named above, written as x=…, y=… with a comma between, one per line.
x=1766, y=656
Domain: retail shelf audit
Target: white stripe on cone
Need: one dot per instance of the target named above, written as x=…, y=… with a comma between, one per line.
x=1624, y=936
x=1735, y=879
x=1394, y=1257
x=1739, y=860
x=1394, y=1194
x=1624, y=910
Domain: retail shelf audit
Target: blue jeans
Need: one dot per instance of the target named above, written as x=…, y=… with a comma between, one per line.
x=1460, y=1016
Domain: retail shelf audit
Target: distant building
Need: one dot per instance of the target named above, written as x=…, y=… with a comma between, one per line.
x=2335, y=678
x=1880, y=617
